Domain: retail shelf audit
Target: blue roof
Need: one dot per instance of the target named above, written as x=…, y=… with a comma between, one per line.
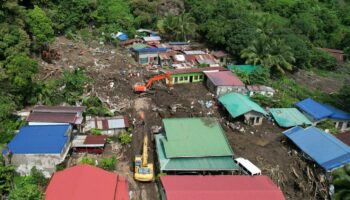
x=337, y=114
x=316, y=110
x=320, y=111
x=322, y=147
x=48, y=139
x=151, y=50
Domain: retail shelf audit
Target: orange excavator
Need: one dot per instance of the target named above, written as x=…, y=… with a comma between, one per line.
x=141, y=87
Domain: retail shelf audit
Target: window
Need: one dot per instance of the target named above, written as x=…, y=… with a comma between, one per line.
x=257, y=120
x=186, y=78
x=201, y=77
x=195, y=77
x=143, y=60
x=181, y=78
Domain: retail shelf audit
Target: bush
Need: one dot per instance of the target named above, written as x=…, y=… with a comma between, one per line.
x=323, y=60
x=327, y=124
x=108, y=163
x=87, y=160
x=125, y=138
x=95, y=131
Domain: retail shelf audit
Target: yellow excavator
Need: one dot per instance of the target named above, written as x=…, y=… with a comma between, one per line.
x=143, y=169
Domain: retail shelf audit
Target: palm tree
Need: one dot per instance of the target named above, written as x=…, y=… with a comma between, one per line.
x=271, y=53
x=178, y=27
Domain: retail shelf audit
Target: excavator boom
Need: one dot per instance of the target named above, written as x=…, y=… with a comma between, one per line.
x=140, y=87
x=145, y=151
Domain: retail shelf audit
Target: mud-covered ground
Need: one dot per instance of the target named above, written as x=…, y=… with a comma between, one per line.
x=113, y=73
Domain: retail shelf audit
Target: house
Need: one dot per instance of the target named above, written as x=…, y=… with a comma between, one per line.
x=222, y=82
x=146, y=32
x=337, y=54
x=108, y=125
x=131, y=41
x=89, y=143
x=289, y=117
x=166, y=58
x=207, y=60
x=147, y=56
x=221, y=56
x=238, y=105
x=219, y=187
x=318, y=112
x=190, y=75
x=42, y=147
x=247, y=69
x=57, y=115
x=260, y=89
x=324, y=148
x=193, y=145
x=87, y=182
x=194, y=52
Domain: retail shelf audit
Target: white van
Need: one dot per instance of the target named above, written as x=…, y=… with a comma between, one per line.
x=247, y=167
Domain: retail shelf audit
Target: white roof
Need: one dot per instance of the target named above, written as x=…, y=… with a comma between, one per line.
x=180, y=58
x=152, y=38
x=196, y=52
x=248, y=165
x=116, y=123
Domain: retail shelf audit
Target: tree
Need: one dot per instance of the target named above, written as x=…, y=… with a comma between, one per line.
x=73, y=83
x=144, y=11
x=40, y=27
x=270, y=53
x=108, y=163
x=180, y=27
x=7, y=174
x=341, y=182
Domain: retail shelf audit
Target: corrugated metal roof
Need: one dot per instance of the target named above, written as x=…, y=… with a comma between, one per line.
x=194, y=137
x=116, y=123
x=288, y=117
x=195, y=52
x=95, y=139
x=322, y=147
x=40, y=140
x=224, y=78
x=52, y=117
x=238, y=104
x=150, y=50
x=59, y=109
x=314, y=109
x=344, y=137
x=220, y=187
x=152, y=38
x=194, y=70
x=213, y=163
x=337, y=114
x=86, y=182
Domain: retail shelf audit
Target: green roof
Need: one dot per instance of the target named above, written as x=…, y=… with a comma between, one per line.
x=194, y=137
x=238, y=104
x=215, y=163
x=243, y=68
x=288, y=117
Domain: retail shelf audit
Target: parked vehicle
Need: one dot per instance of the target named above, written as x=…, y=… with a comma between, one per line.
x=247, y=167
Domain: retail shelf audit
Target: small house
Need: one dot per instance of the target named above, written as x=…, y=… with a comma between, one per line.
x=323, y=148
x=194, y=145
x=152, y=40
x=337, y=54
x=87, y=182
x=89, y=143
x=222, y=82
x=260, y=89
x=221, y=56
x=289, y=117
x=107, y=125
x=148, y=56
x=190, y=75
x=318, y=112
x=238, y=105
x=219, y=187
x=42, y=147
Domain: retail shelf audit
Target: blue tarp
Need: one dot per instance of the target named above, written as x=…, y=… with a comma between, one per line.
x=123, y=37
x=48, y=139
x=320, y=111
x=316, y=110
x=154, y=50
x=322, y=147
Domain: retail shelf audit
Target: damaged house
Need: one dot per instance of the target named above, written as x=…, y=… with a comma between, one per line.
x=238, y=105
x=107, y=125
x=148, y=56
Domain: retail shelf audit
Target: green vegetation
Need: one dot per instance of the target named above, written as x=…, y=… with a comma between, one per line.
x=108, y=163
x=125, y=138
x=341, y=182
x=95, y=131
x=87, y=160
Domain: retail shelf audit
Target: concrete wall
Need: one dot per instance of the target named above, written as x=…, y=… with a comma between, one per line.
x=186, y=78
x=268, y=94
x=253, y=118
x=342, y=125
x=149, y=57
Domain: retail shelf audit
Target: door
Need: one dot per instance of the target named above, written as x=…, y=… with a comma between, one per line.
x=175, y=79
x=191, y=79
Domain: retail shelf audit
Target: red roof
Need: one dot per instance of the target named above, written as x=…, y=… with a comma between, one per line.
x=59, y=109
x=52, y=117
x=333, y=50
x=224, y=78
x=219, y=54
x=220, y=187
x=194, y=70
x=95, y=139
x=344, y=137
x=86, y=182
